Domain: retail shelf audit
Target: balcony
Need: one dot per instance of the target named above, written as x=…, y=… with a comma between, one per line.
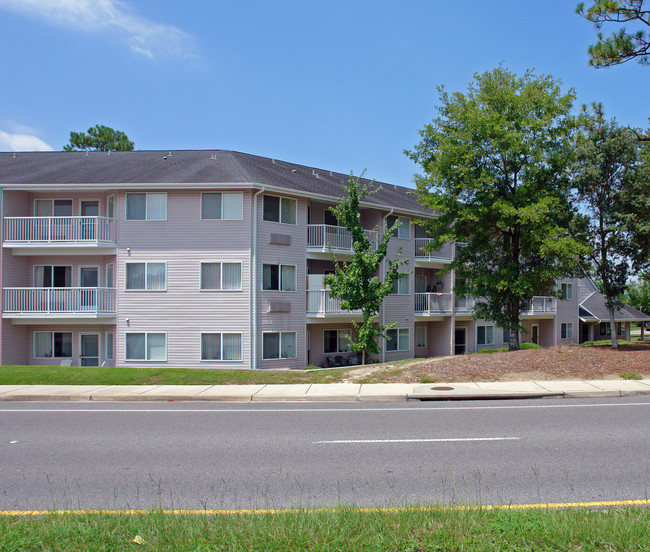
x=68, y=235
x=464, y=305
x=59, y=304
x=443, y=255
x=432, y=304
x=323, y=237
x=540, y=306
x=321, y=304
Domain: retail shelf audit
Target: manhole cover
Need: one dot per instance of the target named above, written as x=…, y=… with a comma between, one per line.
x=442, y=388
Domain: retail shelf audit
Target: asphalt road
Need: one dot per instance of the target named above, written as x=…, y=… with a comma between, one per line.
x=215, y=455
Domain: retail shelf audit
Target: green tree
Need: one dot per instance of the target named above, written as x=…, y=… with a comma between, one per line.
x=356, y=283
x=621, y=45
x=494, y=162
x=611, y=183
x=99, y=138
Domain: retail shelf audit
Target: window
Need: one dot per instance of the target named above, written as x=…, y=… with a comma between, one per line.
x=145, y=276
x=220, y=346
x=110, y=207
x=146, y=346
x=149, y=206
x=604, y=328
x=221, y=276
x=279, y=345
x=222, y=205
x=506, y=335
x=484, y=335
x=278, y=277
x=52, y=344
x=279, y=209
x=420, y=336
x=401, y=285
x=619, y=328
x=399, y=339
x=110, y=275
x=52, y=276
x=53, y=207
x=110, y=351
x=567, y=291
x=566, y=330
x=336, y=341
x=403, y=230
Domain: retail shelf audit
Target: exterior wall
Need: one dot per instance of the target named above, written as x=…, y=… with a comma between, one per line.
x=293, y=319
x=468, y=326
x=497, y=334
x=183, y=311
x=15, y=344
x=567, y=312
x=438, y=336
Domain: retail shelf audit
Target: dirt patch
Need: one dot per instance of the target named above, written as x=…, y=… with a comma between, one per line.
x=555, y=363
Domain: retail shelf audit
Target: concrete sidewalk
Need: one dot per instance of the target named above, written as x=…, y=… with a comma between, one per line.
x=333, y=392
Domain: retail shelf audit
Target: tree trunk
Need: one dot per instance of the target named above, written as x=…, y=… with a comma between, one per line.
x=612, y=329
x=363, y=357
x=513, y=339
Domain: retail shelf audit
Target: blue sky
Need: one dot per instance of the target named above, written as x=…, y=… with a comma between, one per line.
x=339, y=85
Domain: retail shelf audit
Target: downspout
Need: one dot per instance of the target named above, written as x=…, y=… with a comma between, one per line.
x=452, y=337
x=383, y=307
x=254, y=283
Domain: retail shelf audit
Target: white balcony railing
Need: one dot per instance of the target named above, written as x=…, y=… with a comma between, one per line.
x=325, y=236
x=540, y=305
x=432, y=303
x=41, y=230
x=464, y=305
x=320, y=302
x=421, y=251
x=85, y=300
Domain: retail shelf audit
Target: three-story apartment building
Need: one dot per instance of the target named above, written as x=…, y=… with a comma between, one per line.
x=216, y=259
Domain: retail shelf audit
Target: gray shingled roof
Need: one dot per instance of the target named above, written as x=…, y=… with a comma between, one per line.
x=595, y=306
x=186, y=167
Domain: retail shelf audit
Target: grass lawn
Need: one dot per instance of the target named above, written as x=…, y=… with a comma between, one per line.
x=339, y=530
x=105, y=375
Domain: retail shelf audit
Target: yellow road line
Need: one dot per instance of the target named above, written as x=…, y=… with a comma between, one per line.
x=541, y=506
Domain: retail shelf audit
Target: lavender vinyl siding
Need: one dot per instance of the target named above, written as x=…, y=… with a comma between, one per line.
x=183, y=311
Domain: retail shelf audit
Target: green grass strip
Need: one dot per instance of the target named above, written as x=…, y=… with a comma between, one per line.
x=341, y=529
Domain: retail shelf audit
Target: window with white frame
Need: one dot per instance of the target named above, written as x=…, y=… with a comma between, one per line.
x=279, y=209
x=484, y=335
x=403, y=231
x=401, y=285
x=110, y=275
x=336, y=341
x=278, y=277
x=146, y=276
x=399, y=339
x=110, y=345
x=567, y=291
x=278, y=345
x=52, y=207
x=222, y=205
x=566, y=330
x=146, y=206
x=221, y=276
x=220, y=346
x=46, y=276
x=146, y=346
x=52, y=344
x=420, y=336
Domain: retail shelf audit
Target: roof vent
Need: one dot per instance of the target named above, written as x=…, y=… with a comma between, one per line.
x=213, y=156
x=14, y=155
x=292, y=170
x=273, y=161
x=313, y=171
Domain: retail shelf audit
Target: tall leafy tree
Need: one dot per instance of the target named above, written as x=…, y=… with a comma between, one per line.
x=612, y=186
x=621, y=45
x=494, y=167
x=357, y=283
x=99, y=138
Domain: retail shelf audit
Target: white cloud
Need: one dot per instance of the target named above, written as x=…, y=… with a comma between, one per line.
x=22, y=142
x=112, y=16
